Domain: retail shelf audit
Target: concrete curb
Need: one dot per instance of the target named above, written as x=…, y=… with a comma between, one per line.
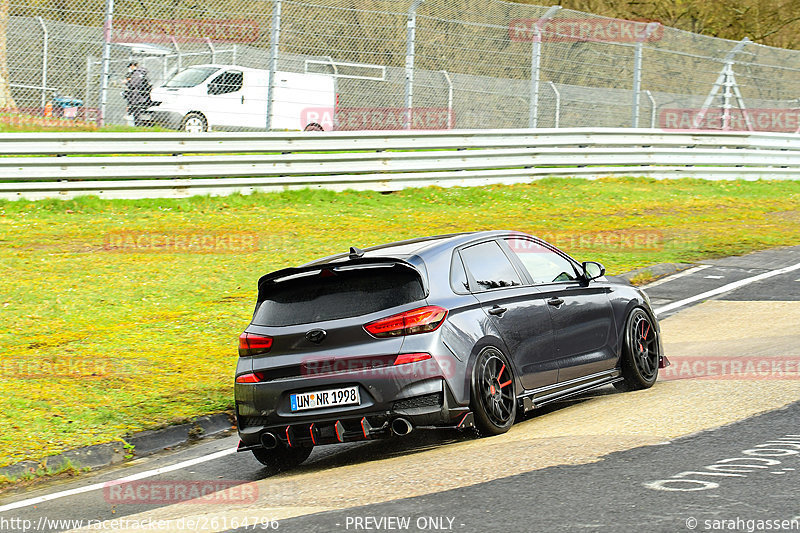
x=144, y=443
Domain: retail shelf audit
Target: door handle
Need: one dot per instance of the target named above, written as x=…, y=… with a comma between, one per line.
x=555, y=302
x=497, y=310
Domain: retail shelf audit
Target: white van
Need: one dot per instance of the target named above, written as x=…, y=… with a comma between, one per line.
x=227, y=97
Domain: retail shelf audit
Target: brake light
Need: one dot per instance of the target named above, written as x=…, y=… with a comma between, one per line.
x=405, y=358
x=253, y=377
x=253, y=344
x=422, y=320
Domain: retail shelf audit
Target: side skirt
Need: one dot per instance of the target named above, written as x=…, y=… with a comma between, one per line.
x=539, y=397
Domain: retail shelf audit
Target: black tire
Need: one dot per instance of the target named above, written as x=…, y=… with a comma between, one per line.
x=640, y=352
x=194, y=122
x=281, y=458
x=493, y=399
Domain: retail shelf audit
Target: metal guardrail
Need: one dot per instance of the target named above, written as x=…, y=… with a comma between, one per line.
x=153, y=165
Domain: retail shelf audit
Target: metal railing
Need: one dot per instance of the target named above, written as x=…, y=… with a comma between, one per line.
x=155, y=165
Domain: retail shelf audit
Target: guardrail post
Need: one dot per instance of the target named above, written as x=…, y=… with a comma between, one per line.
x=536, y=59
x=106, y=61
x=637, y=72
x=411, y=36
x=274, y=41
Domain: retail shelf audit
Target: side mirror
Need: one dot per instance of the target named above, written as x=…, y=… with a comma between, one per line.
x=593, y=270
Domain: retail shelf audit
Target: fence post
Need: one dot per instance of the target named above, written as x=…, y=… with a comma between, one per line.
x=652, y=109
x=89, y=61
x=637, y=72
x=211, y=49
x=106, y=61
x=273, y=60
x=449, y=99
x=536, y=59
x=45, y=39
x=178, y=58
x=558, y=103
x=411, y=36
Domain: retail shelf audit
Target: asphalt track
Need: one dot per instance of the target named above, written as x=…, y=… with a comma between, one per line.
x=583, y=464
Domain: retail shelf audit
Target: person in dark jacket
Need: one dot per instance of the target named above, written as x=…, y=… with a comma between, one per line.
x=137, y=92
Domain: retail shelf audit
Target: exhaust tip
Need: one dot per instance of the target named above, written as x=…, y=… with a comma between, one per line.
x=401, y=426
x=269, y=440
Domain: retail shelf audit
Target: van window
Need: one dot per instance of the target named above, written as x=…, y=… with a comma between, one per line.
x=191, y=77
x=331, y=294
x=227, y=82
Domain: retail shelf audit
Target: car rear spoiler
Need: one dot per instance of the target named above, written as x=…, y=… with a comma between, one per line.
x=265, y=281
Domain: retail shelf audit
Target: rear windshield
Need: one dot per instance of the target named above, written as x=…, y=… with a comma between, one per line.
x=333, y=294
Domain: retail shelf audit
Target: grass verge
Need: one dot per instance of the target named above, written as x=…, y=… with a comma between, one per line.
x=123, y=315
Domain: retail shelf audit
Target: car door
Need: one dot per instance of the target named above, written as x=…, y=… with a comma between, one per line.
x=581, y=313
x=224, y=103
x=516, y=310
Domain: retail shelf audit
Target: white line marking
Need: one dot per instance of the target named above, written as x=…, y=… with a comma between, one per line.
x=675, y=276
x=725, y=288
x=713, y=277
x=126, y=479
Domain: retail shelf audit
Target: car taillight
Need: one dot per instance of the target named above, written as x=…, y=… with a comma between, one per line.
x=420, y=320
x=405, y=358
x=253, y=377
x=253, y=344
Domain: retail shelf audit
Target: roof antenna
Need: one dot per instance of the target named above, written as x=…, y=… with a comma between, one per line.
x=356, y=253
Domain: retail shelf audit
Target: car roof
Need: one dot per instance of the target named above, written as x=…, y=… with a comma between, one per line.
x=422, y=247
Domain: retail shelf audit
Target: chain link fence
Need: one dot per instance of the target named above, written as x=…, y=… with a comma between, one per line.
x=380, y=64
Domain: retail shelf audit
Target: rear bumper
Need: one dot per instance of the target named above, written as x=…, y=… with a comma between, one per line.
x=434, y=406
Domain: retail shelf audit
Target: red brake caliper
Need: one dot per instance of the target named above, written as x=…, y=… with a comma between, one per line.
x=500, y=374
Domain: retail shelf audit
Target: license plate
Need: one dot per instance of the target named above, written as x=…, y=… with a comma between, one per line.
x=146, y=116
x=326, y=398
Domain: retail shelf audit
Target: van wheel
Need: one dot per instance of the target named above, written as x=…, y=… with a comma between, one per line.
x=194, y=123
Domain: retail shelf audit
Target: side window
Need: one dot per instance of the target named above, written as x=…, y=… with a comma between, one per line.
x=543, y=264
x=227, y=82
x=458, y=278
x=490, y=266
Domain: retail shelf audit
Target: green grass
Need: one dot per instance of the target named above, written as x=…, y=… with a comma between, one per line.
x=144, y=337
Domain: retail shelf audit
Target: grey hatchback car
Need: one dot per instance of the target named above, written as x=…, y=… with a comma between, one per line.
x=454, y=331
